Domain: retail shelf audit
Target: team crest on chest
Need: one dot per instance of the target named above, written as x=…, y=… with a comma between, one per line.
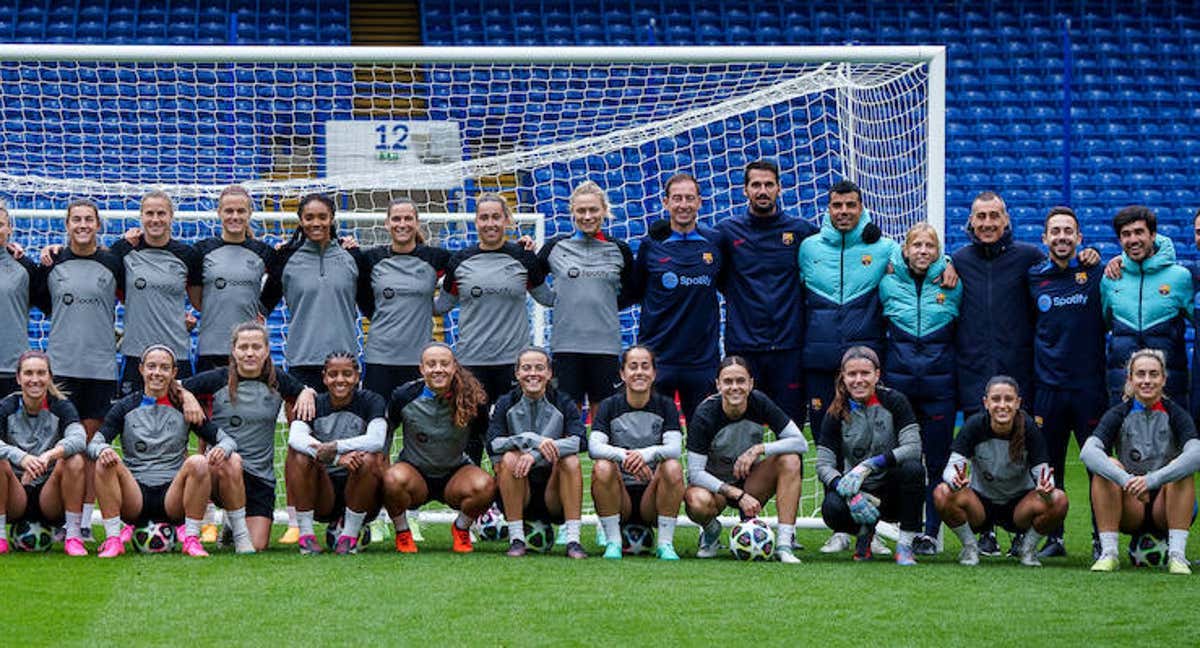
x=1080, y=278
x=866, y=259
x=1164, y=290
x=941, y=298
x=816, y=403
x=789, y=238
x=1039, y=420
x=708, y=257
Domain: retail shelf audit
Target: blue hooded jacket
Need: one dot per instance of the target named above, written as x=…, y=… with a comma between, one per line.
x=920, y=344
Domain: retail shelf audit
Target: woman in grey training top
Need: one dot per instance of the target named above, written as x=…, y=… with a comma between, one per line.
x=319, y=281
x=227, y=278
x=488, y=281
x=396, y=286
x=593, y=277
x=18, y=287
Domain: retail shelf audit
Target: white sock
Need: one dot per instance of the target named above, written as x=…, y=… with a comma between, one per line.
x=400, y=521
x=573, y=530
x=1177, y=542
x=965, y=535
x=906, y=538
x=666, y=530
x=304, y=520
x=291, y=511
x=784, y=536
x=73, y=528
x=112, y=526
x=4, y=527
x=353, y=522
x=89, y=510
x=210, y=513
x=1032, y=538
x=236, y=519
x=516, y=530
x=463, y=521
x=1108, y=543
x=612, y=527
x=191, y=527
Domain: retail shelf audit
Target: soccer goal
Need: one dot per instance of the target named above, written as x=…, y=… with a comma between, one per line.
x=440, y=125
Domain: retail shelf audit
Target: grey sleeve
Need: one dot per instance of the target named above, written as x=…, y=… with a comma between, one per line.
x=97, y=445
x=909, y=448
x=827, y=469
x=226, y=442
x=567, y=446
x=301, y=440
x=74, y=440
x=956, y=461
x=370, y=441
x=1096, y=459
x=543, y=294
x=698, y=475
x=13, y=454
x=444, y=303
x=671, y=448
x=791, y=441
x=524, y=442
x=599, y=448
x=1185, y=464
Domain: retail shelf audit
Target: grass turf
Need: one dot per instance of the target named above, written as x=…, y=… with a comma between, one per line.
x=280, y=598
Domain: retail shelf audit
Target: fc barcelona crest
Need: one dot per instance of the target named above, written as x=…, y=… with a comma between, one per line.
x=789, y=238
x=1080, y=278
x=941, y=298
x=1164, y=290
x=866, y=259
x=708, y=257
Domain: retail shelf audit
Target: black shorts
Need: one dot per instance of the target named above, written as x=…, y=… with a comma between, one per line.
x=154, y=505
x=497, y=380
x=535, y=508
x=636, y=493
x=382, y=379
x=33, y=506
x=436, y=486
x=131, y=378
x=1148, y=525
x=206, y=362
x=260, y=496
x=92, y=398
x=595, y=375
x=334, y=514
x=8, y=384
x=1000, y=513
x=310, y=375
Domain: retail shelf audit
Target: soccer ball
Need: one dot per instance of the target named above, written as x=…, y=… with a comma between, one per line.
x=1147, y=551
x=155, y=537
x=31, y=536
x=492, y=525
x=539, y=536
x=752, y=539
x=636, y=539
x=334, y=531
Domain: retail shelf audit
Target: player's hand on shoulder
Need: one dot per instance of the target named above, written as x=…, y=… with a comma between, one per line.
x=15, y=249
x=48, y=254
x=1088, y=257
x=1113, y=269
x=949, y=278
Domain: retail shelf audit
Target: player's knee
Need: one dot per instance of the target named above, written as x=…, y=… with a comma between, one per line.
x=482, y=486
x=75, y=464
x=508, y=461
x=941, y=496
x=569, y=463
x=697, y=499
x=196, y=465
x=789, y=463
x=395, y=479
x=603, y=471
x=232, y=465
x=1059, y=504
x=671, y=471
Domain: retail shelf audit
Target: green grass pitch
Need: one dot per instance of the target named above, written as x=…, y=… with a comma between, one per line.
x=280, y=598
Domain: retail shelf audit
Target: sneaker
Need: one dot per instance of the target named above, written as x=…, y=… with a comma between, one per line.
x=291, y=536
x=346, y=545
x=193, y=548
x=74, y=547
x=3, y=545
x=404, y=542
x=111, y=548
x=969, y=556
x=1106, y=563
x=864, y=545
x=988, y=546
x=85, y=532
x=208, y=533
x=904, y=556
x=1014, y=550
x=308, y=545
x=836, y=543
x=1178, y=564
x=879, y=547
x=244, y=547
x=462, y=540
x=126, y=534
x=575, y=551
x=516, y=549
x=710, y=542
x=1053, y=548
x=786, y=557
x=666, y=552
x=924, y=545
x=560, y=538
x=414, y=525
x=612, y=551
x=601, y=540
x=1029, y=559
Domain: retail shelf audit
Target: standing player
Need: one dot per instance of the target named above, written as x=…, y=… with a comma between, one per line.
x=869, y=458
x=676, y=273
x=534, y=440
x=1149, y=486
x=319, y=281
x=1068, y=348
x=1011, y=481
x=440, y=413
x=593, y=278
x=156, y=285
x=764, y=301
x=227, y=277
x=18, y=288
x=42, y=456
x=335, y=463
x=729, y=464
x=150, y=479
x=920, y=355
x=635, y=445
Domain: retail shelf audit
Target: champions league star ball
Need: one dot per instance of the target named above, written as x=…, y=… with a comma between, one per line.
x=539, y=536
x=31, y=536
x=752, y=539
x=636, y=539
x=492, y=525
x=1147, y=551
x=155, y=537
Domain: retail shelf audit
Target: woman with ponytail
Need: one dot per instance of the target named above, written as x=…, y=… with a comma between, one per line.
x=442, y=415
x=1009, y=482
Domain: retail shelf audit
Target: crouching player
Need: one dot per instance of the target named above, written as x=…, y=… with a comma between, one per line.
x=869, y=458
x=440, y=414
x=534, y=440
x=635, y=445
x=1011, y=482
x=729, y=465
x=335, y=463
x=41, y=455
x=151, y=480
x=1148, y=487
